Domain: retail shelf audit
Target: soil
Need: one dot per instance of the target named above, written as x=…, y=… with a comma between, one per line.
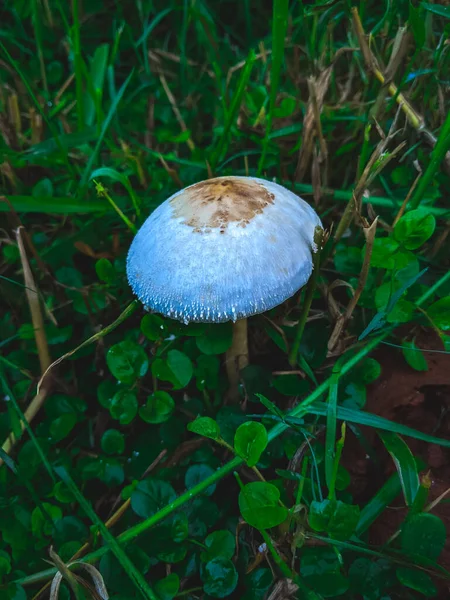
x=420, y=400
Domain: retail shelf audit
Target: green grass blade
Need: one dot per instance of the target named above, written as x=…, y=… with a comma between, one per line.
x=279, y=26
x=96, y=79
x=383, y=498
x=405, y=464
x=78, y=59
x=236, y=101
x=106, y=123
x=437, y=156
x=9, y=393
x=56, y=206
x=63, y=143
x=330, y=438
x=136, y=577
x=361, y=417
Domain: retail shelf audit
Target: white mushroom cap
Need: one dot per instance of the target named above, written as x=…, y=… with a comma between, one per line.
x=223, y=249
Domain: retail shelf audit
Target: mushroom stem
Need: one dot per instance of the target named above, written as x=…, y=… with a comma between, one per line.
x=236, y=358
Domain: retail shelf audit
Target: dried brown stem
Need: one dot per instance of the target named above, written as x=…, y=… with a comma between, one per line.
x=369, y=233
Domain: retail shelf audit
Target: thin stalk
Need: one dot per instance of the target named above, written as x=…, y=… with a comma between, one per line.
x=279, y=27
x=330, y=439
x=318, y=236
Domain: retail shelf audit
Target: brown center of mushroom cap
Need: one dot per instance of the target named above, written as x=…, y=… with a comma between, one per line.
x=217, y=202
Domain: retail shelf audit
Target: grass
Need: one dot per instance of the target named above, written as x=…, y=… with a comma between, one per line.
x=106, y=109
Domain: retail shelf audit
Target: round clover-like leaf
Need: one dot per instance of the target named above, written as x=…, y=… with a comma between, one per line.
x=259, y=503
x=113, y=442
x=423, y=534
x=219, y=543
x=124, y=406
x=337, y=518
x=159, y=407
x=219, y=577
x=250, y=441
x=196, y=474
x=151, y=495
x=205, y=426
x=153, y=327
x=439, y=313
x=105, y=270
x=415, y=228
x=127, y=361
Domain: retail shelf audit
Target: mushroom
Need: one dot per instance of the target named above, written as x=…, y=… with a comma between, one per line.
x=223, y=249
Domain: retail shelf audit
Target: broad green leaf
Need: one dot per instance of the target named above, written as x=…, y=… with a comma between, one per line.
x=414, y=356
x=207, y=372
x=158, y=408
x=113, y=442
x=439, y=313
x=415, y=228
x=320, y=571
x=259, y=503
x=417, y=580
x=337, y=518
x=250, y=441
x=424, y=535
x=216, y=339
x=219, y=543
x=181, y=366
x=127, y=361
x=405, y=464
x=205, y=426
x=219, y=577
x=150, y=496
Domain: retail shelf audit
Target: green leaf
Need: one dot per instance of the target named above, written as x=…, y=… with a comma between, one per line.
x=417, y=580
x=424, y=535
x=219, y=543
x=160, y=405
x=168, y=587
x=439, y=313
x=105, y=270
x=259, y=503
x=219, y=577
x=291, y=385
x=405, y=464
x=40, y=524
x=216, y=339
x=205, y=426
x=113, y=442
x=127, y=361
x=153, y=327
x=150, y=496
x=198, y=473
x=415, y=228
x=417, y=23
x=44, y=187
x=380, y=501
x=437, y=9
x=207, y=372
x=414, y=356
x=181, y=366
x=337, y=518
x=383, y=252
x=123, y=406
x=320, y=571
x=250, y=441
x=369, y=578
